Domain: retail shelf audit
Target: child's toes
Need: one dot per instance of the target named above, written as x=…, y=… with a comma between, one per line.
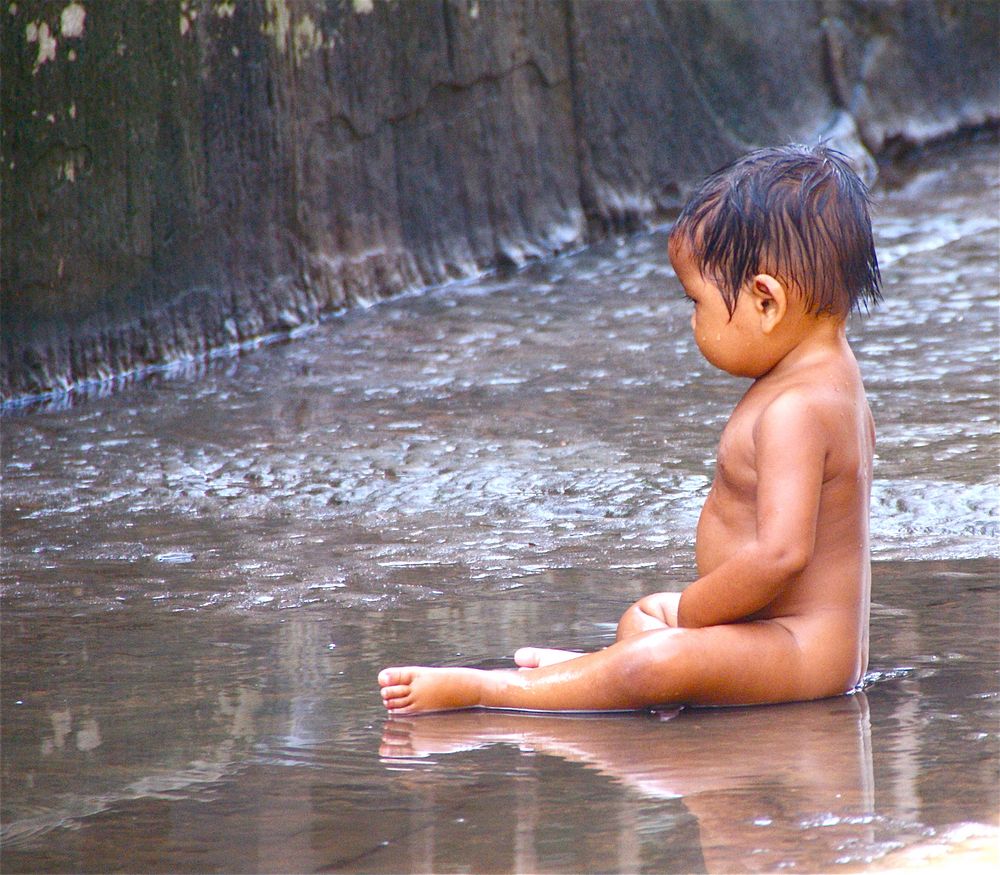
x=397, y=691
x=398, y=702
x=389, y=677
x=526, y=657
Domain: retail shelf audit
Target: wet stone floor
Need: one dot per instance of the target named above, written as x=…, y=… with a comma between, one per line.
x=204, y=570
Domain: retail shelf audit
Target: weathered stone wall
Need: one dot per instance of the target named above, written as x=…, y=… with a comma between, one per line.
x=182, y=175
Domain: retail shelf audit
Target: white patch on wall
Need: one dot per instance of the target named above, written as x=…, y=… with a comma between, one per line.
x=39, y=32
x=296, y=32
x=72, y=20
x=308, y=38
x=280, y=21
x=188, y=15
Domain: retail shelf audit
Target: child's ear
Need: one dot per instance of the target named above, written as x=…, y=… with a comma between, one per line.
x=770, y=300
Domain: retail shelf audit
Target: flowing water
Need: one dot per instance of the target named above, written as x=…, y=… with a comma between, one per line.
x=204, y=571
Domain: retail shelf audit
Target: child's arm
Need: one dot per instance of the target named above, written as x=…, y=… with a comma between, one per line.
x=790, y=453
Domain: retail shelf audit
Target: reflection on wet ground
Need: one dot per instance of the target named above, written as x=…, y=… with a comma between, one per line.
x=201, y=578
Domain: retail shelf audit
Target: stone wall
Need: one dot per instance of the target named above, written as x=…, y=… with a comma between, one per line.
x=183, y=176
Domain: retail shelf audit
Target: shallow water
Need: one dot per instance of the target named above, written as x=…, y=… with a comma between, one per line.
x=203, y=573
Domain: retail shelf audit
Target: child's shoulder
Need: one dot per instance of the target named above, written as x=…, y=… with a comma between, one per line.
x=829, y=379
x=820, y=404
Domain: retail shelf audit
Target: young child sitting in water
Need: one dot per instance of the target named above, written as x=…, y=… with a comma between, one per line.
x=774, y=252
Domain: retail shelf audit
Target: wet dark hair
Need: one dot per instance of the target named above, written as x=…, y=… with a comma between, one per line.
x=799, y=213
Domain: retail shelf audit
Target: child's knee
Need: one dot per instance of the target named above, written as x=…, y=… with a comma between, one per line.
x=658, y=663
x=633, y=621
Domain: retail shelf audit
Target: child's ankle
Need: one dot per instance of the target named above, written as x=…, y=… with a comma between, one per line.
x=495, y=687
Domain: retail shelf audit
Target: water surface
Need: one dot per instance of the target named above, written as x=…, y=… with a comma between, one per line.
x=204, y=571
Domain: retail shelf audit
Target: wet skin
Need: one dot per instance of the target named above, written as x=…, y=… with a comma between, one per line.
x=779, y=611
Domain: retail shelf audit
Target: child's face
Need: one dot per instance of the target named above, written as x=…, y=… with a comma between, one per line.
x=733, y=344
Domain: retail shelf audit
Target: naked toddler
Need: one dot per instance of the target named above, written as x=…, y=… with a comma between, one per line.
x=773, y=252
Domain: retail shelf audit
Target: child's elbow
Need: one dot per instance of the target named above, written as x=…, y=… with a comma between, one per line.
x=789, y=560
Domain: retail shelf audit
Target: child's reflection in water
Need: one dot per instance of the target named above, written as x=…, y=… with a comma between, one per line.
x=757, y=779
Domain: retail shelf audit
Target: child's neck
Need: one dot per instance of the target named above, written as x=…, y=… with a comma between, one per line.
x=814, y=336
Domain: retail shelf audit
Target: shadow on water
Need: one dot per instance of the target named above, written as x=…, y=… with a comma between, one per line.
x=201, y=579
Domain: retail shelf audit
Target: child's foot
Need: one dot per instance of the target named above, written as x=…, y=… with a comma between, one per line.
x=414, y=689
x=440, y=733
x=537, y=657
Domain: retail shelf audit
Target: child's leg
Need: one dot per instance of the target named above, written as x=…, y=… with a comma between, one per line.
x=719, y=665
x=656, y=611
